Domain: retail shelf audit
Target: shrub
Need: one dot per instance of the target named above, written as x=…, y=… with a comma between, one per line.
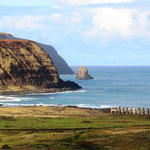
x=5, y=147
x=89, y=145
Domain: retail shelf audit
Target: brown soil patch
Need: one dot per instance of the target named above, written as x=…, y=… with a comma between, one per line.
x=50, y=112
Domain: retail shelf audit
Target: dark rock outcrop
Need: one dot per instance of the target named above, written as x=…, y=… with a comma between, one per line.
x=68, y=84
x=83, y=73
x=59, y=62
x=26, y=67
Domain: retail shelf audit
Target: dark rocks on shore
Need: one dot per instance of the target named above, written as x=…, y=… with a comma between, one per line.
x=69, y=85
x=83, y=73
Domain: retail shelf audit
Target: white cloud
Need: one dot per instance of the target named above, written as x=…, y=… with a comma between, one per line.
x=119, y=22
x=89, y=2
x=56, y=17
x=102, y=22
x=28, y=23
x=22, y=22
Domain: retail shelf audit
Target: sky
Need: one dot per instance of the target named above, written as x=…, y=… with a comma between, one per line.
x=84, y=32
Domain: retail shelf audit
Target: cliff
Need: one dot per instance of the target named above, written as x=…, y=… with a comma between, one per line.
x=59, y=62
x=26, y=67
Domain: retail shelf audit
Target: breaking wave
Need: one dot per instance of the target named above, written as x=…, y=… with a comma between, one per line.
x=73, y=105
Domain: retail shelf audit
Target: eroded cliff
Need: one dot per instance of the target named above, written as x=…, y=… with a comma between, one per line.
x=59, y=62
x=24, y=66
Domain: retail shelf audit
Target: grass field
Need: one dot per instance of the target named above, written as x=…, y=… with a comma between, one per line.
x=69, y=128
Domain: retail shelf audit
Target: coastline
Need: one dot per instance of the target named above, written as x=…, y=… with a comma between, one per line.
x=52, y=90
x=52, y=111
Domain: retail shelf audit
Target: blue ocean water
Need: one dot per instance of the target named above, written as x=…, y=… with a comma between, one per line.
x=112, y=86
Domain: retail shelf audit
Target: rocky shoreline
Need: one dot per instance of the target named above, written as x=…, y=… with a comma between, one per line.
x=52, y=90
x=63, y=86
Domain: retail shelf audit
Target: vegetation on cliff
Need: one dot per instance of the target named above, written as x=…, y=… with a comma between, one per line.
x=58, y=61
x=24, y=66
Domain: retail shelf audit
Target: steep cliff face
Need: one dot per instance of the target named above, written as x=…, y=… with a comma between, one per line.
x=59, y=62
x=23, y=64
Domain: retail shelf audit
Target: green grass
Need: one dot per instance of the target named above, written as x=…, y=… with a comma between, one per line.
x=94, y=138
x=76, y=140
x=71, y=122
x=89, y=139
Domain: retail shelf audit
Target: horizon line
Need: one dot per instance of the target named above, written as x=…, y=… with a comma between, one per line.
x=110, y=65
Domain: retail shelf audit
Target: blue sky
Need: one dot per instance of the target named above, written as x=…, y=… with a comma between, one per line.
x=85, y=32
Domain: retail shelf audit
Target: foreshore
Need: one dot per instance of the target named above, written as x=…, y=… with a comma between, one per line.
x=51, y=90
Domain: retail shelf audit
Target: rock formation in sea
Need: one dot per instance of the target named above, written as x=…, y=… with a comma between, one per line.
x=26, y=67
x=83, y=73
x=59, y=62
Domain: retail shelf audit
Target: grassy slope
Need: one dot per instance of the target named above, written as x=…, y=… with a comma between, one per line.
x=87, y=131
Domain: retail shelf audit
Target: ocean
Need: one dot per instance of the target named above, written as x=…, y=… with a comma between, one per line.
x=112, y=86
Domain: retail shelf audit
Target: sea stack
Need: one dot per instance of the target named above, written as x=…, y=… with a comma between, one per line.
x=26, y=67
x=83, y=73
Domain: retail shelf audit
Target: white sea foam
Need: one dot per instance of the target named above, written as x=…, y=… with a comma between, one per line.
x=43, y=104
x=16, y=105
x=26, y=98
x=105, y=106
x=81, y=91
x=5, y=99
x=41, y=94
x=25, y=105
x=87, y=106
x=92, y=106
x=77, y=91
x=16, y=99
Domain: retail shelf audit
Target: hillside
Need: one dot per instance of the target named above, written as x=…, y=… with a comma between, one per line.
x=59, y=62
x=26, y=67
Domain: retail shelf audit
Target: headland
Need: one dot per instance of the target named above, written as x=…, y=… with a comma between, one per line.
x=26, y=68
